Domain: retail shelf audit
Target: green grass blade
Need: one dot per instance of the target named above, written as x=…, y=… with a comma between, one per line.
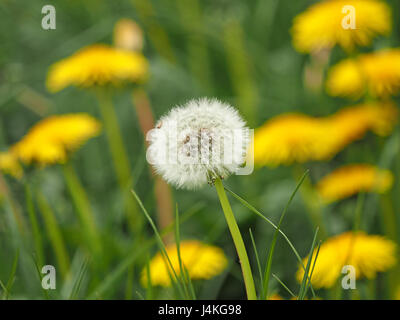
x=5, y=291
x=312, y=269
x=283, y=285
x=39, y=273
x=275, y=237
x=190, y=284
x=258, y=213
x=161, y=244
x=257, y=260
x=302, y=291
x=7, y=288
x=126, y=263
x=149, y=287
x=182, y=274
x=77, y=285
x=140, y=295
x=11, y=278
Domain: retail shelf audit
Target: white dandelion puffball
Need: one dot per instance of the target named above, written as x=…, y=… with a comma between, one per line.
x=198, y=142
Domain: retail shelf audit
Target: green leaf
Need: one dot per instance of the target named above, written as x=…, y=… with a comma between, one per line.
x=275, y=237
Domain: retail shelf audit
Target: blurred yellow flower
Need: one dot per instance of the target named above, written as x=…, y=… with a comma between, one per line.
x=368, y=254
x=202, y=261
x=346, y=79
x=50, y=140
x=397, y=294
x=128, y=35
x=97, y=65
x=290, y=138
x=320, y=26
x=377, y=73
x=297, y=138
x=351, y=123
x=9, y=164
x=352, y=179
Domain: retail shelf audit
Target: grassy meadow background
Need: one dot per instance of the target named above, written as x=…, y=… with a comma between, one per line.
x=238, y=51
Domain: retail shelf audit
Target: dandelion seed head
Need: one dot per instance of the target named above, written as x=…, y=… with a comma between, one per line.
x=198, y=142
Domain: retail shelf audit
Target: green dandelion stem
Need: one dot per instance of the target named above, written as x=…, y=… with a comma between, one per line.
x=156, y=32
x=37, y=238
x=311, y=200
x=54, y=234
x=241, y=70
x=83, y=208
x=119, y=157
x=191, y=16
x=238, y=241
x=389, y=219
x=13, y=206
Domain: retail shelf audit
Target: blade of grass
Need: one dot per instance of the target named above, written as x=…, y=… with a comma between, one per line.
x=11, y=278
x=77, y=285
x=275, y=237
x=302, y=291
x=190, y=284
x=116, y=274
x=258, y=213
x=257, y=260
x=140, y=295
x=182, y=275
x=283, y=285
x=160, y=243
x=129, y=284
x=149, y=287
x=45, y=293
x=312, y=269
x=5, y=291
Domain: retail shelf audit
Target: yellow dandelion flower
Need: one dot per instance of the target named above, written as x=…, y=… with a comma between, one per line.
x=368, y=254
x=377, y=73
x=346, y=79
x=50, y=140
x=320, y=26
x=202, y=261
x=97, y=65
x=352, y=179
x=352, y=123
x=275, y=296
x=9, y=164
x=291, y=138
x=294, y=137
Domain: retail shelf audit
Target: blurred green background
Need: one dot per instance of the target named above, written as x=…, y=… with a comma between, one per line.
x=237, y=51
